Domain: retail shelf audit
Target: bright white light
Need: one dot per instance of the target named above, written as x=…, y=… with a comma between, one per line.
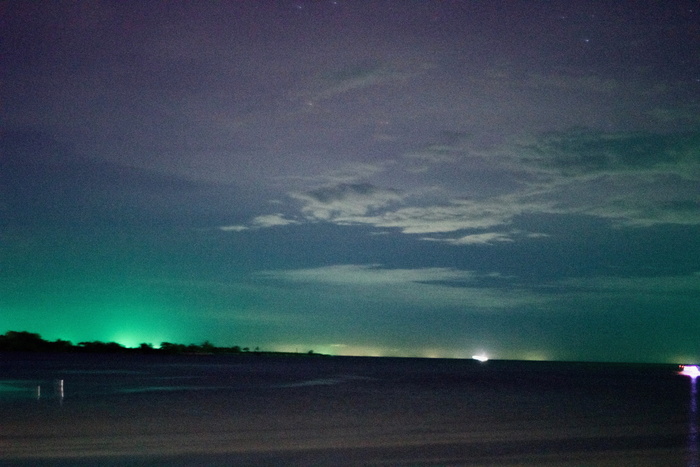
x=481, y=358
x=690, y=370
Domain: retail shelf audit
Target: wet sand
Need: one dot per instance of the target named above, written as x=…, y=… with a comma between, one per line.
x=182, y=442
x=629, y=451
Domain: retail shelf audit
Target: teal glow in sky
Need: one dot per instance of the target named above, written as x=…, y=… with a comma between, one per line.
x=422, y=178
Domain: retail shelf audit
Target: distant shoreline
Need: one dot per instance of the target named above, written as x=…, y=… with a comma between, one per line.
x=23, y=341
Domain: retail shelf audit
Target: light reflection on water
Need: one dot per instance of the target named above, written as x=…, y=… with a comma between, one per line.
x=40, y=390
x=693, y=454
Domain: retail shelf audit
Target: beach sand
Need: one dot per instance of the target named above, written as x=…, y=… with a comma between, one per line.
x=148, y=440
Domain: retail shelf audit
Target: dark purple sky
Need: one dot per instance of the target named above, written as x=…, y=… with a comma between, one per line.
x=427, y=178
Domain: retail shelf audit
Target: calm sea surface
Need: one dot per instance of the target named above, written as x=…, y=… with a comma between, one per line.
x=84, y=410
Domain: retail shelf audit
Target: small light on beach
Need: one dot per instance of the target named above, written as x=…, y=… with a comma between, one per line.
x=690, y=370
x=481, y=357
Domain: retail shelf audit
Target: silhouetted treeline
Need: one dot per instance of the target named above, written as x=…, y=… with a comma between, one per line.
x=32, y=342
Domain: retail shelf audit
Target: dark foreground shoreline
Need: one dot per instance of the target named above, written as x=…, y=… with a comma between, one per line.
x=222, y=410
x=641, y=450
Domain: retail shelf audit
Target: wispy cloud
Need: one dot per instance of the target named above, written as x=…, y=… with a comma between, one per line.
x=481, y=239
x=369, y=275
x=272, y=220
x=347, y=174
x=632, y=179
x=486, y=238
x=260, y=222
x=432, y=288
x=636, y=178
x=586, y=152
x=676, y=286
x=439, y=287
x=456, y=215
x=357, y=77
x=234, y=228
x=341, y=201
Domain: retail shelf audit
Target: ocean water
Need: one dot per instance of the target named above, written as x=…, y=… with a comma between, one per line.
x=75, y=409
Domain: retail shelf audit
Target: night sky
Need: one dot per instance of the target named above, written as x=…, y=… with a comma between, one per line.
x=409, y=178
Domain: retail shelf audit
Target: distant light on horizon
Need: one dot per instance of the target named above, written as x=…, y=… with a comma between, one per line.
x=690, y=370
x=133, y=339
x=481, y=357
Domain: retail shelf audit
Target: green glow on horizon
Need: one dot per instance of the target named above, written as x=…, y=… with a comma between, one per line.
x=80, y=313
x=135, y=339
